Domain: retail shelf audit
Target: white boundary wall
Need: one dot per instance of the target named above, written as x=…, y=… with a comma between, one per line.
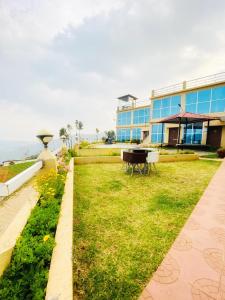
x=16, y=182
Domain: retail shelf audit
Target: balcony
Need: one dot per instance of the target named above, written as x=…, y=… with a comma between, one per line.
x=190, y=84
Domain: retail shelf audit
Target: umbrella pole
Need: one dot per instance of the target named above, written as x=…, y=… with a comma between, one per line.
x=178, y=139
x=162, y=135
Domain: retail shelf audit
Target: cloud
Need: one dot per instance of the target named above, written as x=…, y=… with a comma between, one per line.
x=67, y=60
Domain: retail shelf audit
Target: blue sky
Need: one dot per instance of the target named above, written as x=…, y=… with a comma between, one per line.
x=67, y=60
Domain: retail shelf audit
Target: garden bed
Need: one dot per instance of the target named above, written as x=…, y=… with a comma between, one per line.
x=125, y=225
x=26, y=276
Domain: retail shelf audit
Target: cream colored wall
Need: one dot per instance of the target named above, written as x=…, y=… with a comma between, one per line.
x=223, y=137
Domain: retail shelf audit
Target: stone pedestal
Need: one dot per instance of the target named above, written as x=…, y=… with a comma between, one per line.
x=49, y=160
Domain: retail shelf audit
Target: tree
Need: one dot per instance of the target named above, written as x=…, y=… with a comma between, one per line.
x=109, y=135
x=69, y=133
x=97, y=132
x=63, y=132
x=79, y=126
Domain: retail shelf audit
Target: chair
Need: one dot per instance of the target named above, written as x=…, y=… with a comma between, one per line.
x=121, y=153
x=134, y=161
x=152, y=158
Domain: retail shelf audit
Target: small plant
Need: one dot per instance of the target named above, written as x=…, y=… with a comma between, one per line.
x=221, y=152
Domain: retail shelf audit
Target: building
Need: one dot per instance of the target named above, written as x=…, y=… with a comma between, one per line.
x=204, y=95
x=133, y=119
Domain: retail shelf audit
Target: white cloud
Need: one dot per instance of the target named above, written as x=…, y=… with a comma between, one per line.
x=67, y=60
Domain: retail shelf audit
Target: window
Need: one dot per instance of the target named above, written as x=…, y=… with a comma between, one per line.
x=157, y=134
x=124, y=118
x=206, y=101
x=136, y=134
x=166, y=106
x=193, y=134
x=123, y=134
x=141, y=116
x=218, y=99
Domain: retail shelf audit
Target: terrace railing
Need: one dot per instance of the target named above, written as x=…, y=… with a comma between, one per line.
x=190, y=84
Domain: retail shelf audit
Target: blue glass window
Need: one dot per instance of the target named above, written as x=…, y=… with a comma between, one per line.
x=194, y=133
x=141, y=116
x=206, y=101
x=124, y=118
x=175, y=100
x=204, y=95
x=136, y=134
x=218, y=93
x=123, y=134
x=203, y=108
x=166, y=106
x=157, y=136
x=191, y=98
x=218, y=106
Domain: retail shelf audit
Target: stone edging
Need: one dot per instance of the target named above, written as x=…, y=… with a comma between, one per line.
x=60, y=281
x=117, y=159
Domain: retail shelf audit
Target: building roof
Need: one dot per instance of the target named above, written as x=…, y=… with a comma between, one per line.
x=125, y=97
x=187, y=118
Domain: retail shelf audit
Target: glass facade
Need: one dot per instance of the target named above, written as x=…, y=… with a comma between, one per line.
x=141, y=116
x=166, y=106
x=206, y=101
x=136, y=134
x=123, y=134
x=157, y=134
x=124, y=118
x=193, y=134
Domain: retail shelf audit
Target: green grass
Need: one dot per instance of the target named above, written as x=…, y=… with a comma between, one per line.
x=98, y=152
x=124, y=226
x=212, y=155
x=8, y=172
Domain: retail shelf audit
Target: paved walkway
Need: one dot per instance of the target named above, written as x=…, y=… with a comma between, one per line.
x=11, y=205
x=194, y=268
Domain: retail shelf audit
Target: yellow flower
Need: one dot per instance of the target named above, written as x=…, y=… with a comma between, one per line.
x=46, y=237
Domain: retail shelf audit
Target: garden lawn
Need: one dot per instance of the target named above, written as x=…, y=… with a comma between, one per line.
x=124, y=226
x=98, y=152
x=8, y=172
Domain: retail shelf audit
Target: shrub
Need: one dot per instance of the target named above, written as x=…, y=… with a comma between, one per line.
x=27, y=275
x=221, y=152
x=135, y=141
x=84, y=144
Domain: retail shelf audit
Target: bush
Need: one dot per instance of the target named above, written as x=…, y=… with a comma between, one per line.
x=221, y=152
x=84, y=144
x=135, y=141
x=27, y=275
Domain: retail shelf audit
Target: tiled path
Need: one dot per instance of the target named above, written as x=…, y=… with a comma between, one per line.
x=194, y=267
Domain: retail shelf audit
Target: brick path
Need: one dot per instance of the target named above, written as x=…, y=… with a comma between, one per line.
x=194, y=267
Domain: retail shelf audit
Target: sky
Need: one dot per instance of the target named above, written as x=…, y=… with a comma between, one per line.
x=67, y=60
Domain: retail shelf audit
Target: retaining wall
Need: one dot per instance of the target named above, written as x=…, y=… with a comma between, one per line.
x=117, y=159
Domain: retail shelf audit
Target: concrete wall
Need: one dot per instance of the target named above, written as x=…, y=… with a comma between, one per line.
x=60, y=281
x=10, y=186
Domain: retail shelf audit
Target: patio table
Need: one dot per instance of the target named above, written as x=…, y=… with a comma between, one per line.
x=135, y=161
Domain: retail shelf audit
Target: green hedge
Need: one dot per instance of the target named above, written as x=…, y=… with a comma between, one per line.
x=27, y=275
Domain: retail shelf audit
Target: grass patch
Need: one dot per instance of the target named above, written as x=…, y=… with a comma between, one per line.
x=9, y=172
x=124, y=226
x=212, y=155
x=98, y=152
